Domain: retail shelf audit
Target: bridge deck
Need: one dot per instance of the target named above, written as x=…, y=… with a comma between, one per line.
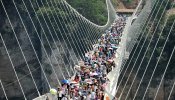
x=97, y=70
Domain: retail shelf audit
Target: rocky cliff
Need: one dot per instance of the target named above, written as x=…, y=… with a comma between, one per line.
x=7, y=74
x=57, y=45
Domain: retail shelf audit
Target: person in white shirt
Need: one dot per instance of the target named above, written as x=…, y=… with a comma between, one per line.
x=93, y=95
x=64, y=98
x=88, y=96
x=60, y=94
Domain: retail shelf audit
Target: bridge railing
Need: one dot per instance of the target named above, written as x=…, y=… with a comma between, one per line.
x=128, y=39
x=120, y=55
x=137, y=25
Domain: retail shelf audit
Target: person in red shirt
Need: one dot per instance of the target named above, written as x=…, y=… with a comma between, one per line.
x=77, y=78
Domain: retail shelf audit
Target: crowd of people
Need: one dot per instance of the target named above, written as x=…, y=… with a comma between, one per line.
x=91, y=73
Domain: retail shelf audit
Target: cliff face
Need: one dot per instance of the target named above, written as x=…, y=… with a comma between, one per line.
x=7, y=74
x=55, y=53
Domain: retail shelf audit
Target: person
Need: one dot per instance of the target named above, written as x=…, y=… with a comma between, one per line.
x=71, y=91
x=88, y=96
x=102, y=97
x=93, y=95
x=64, y=98
x=98, y=96
x=96, y=61
x=60, y=95
x=84, y=97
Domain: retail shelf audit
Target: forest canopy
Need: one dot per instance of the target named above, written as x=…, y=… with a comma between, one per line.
x=94, y=10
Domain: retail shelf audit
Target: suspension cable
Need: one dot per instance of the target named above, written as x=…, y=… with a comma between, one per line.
x=77, y=37
x=12, y=62
x=135, y=49
x=169, y=97
x=168, y=60
x=152, y=54
x=144, y=44
x=3, y=89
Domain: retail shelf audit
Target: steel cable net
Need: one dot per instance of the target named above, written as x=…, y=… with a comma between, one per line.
x=42, y=40
x=128, y=39
x=145, y=74
x=136, y=22
x=133, y=31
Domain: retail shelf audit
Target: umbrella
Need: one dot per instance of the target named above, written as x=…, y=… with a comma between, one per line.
x=114, y=47
x=72, y=78
x=104, y=85
x=81, y=63
x=87, y=71
x=53, y=91
x=95, y=65
x=77, y=67
x=73, y=82
x=94, y=74
x=110, y=48
x=89, y=81
x=110, y=60
x=65, y=81
x=77, y=84
x=83, y=66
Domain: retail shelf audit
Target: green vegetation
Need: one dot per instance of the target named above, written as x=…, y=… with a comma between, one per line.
x=65, y=22
x=129, y=0
x=115, y=3
x=94, y=10
x=171, y=42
